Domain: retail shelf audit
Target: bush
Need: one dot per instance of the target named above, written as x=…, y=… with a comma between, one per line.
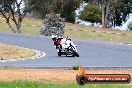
x=130, y=26
x=75, y=67
x=91, y=13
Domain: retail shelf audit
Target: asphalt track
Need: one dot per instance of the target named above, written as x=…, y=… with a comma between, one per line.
x=92, y=53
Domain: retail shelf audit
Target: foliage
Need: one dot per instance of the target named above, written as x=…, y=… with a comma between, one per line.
x=121, y=12
x=114, y=12
x=75, y=67
x=53, y=24
x=91, y=13
x=65, y=7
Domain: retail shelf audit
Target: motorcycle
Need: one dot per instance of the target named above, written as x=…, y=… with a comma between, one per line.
x=65, y=46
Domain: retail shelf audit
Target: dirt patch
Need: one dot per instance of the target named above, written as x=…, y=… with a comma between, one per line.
x=13, y=52
x=52, y=75
x=47, y=75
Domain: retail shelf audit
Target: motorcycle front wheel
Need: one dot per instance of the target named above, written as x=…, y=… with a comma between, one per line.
x=74, y=52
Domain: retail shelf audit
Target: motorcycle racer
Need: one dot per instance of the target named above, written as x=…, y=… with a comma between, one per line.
x=64, y=46
x=57, y=41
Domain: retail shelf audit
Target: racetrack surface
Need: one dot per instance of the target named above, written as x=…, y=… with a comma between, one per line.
x=92, y=53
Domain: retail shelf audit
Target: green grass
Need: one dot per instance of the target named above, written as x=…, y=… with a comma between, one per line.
x=31, y=84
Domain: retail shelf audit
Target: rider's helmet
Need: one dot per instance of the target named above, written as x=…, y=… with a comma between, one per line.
x=60, y=37
x=54, y=37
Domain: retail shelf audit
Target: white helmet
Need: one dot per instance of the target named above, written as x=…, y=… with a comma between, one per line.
x=54, y=37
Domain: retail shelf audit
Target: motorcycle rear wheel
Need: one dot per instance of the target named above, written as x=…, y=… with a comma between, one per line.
x=59, y=53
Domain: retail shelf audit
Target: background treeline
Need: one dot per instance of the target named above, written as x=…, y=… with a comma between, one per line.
x=65, y=7
x=108, y=12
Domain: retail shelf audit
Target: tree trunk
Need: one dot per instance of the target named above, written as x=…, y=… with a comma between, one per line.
x=18, y=27
x=107, y=14
x=13, y=30
x=103, y=15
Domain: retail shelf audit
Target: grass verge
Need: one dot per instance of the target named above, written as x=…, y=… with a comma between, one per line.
x=31, y=84
x=76, y=33
x=13, y=52
x=98, y=36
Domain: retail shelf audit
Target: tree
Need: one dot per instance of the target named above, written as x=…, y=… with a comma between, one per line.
x=121, y=12
x=69, y=9
x=114, y=11
x=107, y=7
x=65, y=7
x=14, y=13
x=91, y=13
